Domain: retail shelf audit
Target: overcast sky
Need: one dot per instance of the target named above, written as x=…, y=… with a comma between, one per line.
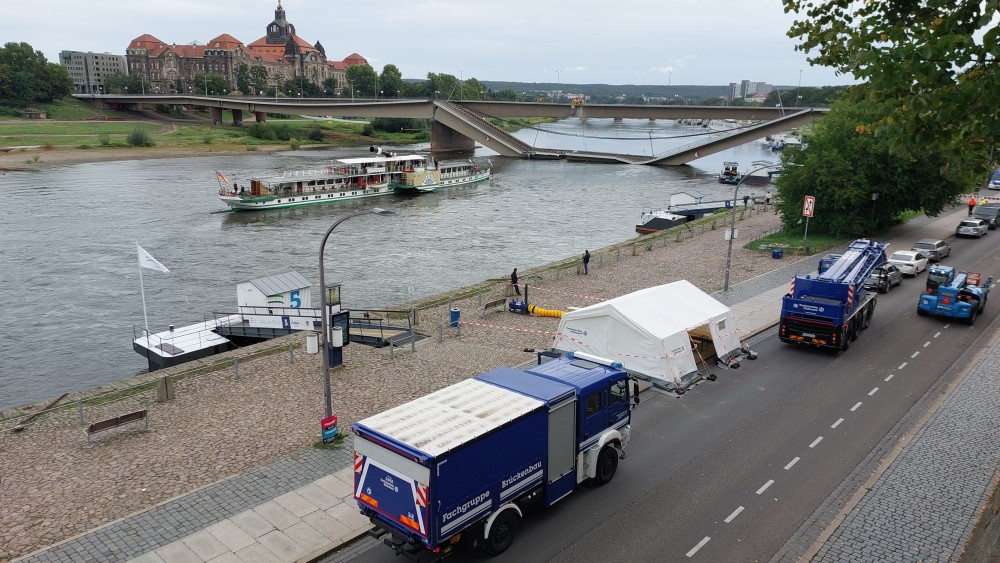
x=707, y=42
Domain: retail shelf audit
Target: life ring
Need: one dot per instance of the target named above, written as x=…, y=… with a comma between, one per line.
x=343, y=171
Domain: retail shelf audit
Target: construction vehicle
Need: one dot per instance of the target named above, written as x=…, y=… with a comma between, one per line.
x=954, y=294
x=832, y=308
x=457, y=469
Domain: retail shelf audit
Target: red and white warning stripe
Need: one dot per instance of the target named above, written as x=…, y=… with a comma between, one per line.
x=513, y=328
x=359, y=463
x=850, y=295
x=422, y=496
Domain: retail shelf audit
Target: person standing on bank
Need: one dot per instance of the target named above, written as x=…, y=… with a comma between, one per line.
x=972, y=204
x=513, y=281
x=586, y=261
x=746, y=200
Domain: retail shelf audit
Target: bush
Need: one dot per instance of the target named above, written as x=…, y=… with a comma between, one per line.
x=283, y=132
x=84, y=146
x=295, y=144
x=139, y=138
x=207, y=139
x=398, y=125
x=368, y=130
x=262, y=131
x=104, y=139
x=9, y=111
x=315, y=134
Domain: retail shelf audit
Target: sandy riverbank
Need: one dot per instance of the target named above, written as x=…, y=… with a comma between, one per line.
x=37, y=158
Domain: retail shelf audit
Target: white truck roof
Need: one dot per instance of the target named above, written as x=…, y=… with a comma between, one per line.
x=444, y=420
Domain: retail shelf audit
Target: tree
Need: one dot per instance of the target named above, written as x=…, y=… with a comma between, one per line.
x=845, y=163
x=931, y=67
x=119, y=83
x=242, y=75
x=27, y=77
x=390, y=83
x=362, y=78
x=212, y=84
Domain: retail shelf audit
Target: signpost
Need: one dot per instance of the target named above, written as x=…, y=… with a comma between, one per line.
x=808, y=206
x=329, y=428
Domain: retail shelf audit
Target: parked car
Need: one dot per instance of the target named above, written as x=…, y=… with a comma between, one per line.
x=933, y=249
x=988, y=213
x=910, y=262
x=884, y=278
x=972, y=228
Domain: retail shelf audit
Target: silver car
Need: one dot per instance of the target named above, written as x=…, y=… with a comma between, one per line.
x=972, y=227
x=933, y=249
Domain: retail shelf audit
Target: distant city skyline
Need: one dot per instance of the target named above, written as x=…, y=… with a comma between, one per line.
x=583, y=42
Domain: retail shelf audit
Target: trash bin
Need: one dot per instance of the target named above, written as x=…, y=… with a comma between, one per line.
x=777, y=253
x=312, y=343
x=455, y=316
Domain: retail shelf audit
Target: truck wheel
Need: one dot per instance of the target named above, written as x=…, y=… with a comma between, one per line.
x=854, y=329
x=921, y=312
x=607, y=465
x=502, y=532
x=972, y=316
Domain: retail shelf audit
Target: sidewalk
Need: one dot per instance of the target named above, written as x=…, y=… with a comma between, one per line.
x=301, y=507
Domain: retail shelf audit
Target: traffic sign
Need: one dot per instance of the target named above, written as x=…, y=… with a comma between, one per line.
x=808, y=206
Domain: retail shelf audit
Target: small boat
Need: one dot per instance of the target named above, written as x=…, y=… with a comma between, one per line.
x=654, y=220
x=730, y=173
x=443, y=175
x=347, y=178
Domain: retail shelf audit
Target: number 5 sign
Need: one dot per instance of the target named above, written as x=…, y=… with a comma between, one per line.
x=808, y=206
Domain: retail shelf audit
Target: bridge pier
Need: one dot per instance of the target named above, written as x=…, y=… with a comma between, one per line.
x=618, y=120
x=237, y=117
x=446, y=139
x=216, y=116
x=260, y=116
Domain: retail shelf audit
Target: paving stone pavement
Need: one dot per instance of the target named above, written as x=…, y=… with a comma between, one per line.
x=246, y=490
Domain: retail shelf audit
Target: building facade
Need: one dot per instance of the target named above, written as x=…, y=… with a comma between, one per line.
x=283, y=56
x=88, y=70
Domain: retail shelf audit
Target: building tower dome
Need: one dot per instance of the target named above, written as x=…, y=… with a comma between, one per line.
x=279, y=31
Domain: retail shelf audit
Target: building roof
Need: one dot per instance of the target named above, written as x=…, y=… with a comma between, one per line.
x=225, y=41
x=276, y=285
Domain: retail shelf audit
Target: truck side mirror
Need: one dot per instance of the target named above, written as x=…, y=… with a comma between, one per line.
x=635, y=393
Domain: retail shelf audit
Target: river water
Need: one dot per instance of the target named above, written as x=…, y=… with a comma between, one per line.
x=69, y=280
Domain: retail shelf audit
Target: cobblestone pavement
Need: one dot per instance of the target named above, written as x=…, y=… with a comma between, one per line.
x=54, y=486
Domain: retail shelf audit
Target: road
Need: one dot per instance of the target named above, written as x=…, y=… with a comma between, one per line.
x=730, y=471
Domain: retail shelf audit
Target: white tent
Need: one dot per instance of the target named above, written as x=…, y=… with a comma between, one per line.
x=651, y=330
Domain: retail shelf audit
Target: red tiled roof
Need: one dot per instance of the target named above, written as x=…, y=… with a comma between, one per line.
x=355, y=59
x=225, y=41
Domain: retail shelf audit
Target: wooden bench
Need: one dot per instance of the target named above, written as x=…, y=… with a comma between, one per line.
x=495, y=303
x=115, y=422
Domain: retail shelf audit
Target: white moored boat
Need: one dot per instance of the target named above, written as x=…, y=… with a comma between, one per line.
x=348, y=178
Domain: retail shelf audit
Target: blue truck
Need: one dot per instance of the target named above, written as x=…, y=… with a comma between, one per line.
x=456, y=470
x=830, y=309
x=954, y=294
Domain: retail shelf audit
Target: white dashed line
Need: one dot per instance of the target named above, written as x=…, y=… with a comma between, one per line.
x=915, y=354
x=856, y=407
x=926, y=344
x=901, y=366
x=947, y=325
x=873, y=391
x=791, y=463
x=836, y=424
x=697, y=547
x=888, y=377
x=816, y=441
x=766, y=485
x=734, y=514
x=936, y=334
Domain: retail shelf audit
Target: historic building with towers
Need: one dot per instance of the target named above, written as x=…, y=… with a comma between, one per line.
x=172, y=68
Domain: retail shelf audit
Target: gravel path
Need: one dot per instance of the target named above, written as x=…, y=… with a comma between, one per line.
x=54, y=486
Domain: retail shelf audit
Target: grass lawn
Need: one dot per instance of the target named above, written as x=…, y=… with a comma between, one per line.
x=815, y=243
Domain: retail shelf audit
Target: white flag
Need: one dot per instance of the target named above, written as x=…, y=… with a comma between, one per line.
x=146, y=260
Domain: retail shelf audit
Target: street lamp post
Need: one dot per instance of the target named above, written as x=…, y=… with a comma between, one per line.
x=324, y=313
x=874, y=198
x=761, y=165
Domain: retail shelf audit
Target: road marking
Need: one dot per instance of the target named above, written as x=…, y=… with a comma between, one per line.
x=791, y=463
x=697, y=547
x=947, y=325
x=926, y=344
x=836, y=424
x=816, y=441
x=766, y=485
x=936, y=334
x=902, y=365
x=855, y=407
x=889, y=377
x=873, y=391
x=915, y=354
x=734, y=514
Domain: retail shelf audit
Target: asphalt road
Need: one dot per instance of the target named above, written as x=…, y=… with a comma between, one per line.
x=732, y=469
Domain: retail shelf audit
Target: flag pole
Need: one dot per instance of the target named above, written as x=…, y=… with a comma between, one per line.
x=143, y=291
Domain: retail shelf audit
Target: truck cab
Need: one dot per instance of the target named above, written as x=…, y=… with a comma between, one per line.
x=954, y=294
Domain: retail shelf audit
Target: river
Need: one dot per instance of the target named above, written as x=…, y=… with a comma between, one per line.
x=69, y=281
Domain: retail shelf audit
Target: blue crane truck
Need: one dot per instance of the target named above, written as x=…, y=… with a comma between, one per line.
x=832, y=308
x=456, y=469
x=954, y=294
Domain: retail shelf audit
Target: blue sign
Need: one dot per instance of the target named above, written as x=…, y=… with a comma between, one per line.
x=286, y=323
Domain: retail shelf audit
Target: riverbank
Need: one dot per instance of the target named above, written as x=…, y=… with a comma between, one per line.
x=38, y=157
x=226, y=423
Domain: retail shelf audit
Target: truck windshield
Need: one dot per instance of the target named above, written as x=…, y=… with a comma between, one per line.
x=939, y=278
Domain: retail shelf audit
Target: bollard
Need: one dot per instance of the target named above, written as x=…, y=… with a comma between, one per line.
x=236, y=367
x=479, y=298
x=79, y=408
x=413, y=342
x=440, y=334
x=414, y=311
x=458, y=328
x=291, y=358
x=392, y=350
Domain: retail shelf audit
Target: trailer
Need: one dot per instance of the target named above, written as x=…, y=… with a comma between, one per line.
x=831, y=309
x=954, y=294
x=456, y=469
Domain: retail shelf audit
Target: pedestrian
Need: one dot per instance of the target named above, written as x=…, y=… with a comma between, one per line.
x=746, y=200
x=767, y=199
x=972, y=204
x=586, y=261
x=513, y=281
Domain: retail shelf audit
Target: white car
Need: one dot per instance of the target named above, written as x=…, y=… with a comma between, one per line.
x=972, y=227
x=909, y=262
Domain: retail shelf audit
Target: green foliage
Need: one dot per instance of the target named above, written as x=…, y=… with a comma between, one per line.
x=390, y=83
x=295, y=144
x=315, y=134
x=363, y=79
x=211, y=84
x=8, y=111
x=844, y=164
x=262, y=131
x=283, y=132
x=368, y=130
x=26, y=77
x=398, y=124
x=139, y=138
x=930, y=67
x=104, y=139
